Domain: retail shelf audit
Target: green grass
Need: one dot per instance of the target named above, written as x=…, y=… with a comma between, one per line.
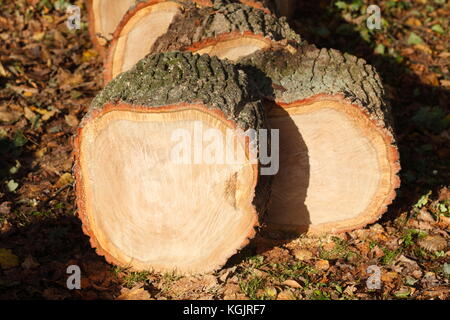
x=410, y=236
x=390, y=256
x=133, y=278
x=320, y=295
x=251, y=287
x=340, y=251
x=171, y=276
x=284, y=271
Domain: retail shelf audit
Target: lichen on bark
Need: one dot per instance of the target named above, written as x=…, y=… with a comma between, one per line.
x=182, y=77
x=310, y=71
x=199, y=24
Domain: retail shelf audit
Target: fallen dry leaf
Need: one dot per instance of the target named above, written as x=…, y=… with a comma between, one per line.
x=302, y=254
x=135, y=293
x=389, y=276
x=291, y=283
x=65, y=179
x=8, y=259
x=322, y=264
x=286, y=295
x=71, y=120
x=433, y=243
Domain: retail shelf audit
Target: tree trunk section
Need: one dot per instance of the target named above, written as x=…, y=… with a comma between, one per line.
x=150, y=202
x=103, y=18
x=106, y=15
x=229, y=31
x=338, y=156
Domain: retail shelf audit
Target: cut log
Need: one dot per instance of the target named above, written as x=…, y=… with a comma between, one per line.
x=226, y=30
x=104, y=16
x=148, y=195
x=338, y=157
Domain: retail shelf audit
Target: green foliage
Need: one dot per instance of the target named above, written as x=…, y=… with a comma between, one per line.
x=446, y=269
x=171, y=276
x=19, y=139
x=402, y=293
x=61, y=4
x=251, y=286
x=414, y=39
x=380, y=49
x=296, y=271
x=422, y=201
x=11, y=185
x=132, y=278
x=411, y=236
x=320, y=295
x=389, y=256
x=256, y=261
x=438, y=29
x=340, y=251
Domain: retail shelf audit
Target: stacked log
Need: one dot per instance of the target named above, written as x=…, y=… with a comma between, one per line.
x=227, y=65
x=229, y=31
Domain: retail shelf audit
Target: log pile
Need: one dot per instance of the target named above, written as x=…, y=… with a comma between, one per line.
x=203, y=69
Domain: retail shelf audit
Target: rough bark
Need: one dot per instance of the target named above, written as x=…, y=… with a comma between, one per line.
x=101, y=39
x=122, y=54
x=173, y=79
x=311, y=71
x=199, y=25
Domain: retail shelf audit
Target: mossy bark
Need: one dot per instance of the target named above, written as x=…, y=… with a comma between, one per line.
x=176, y=77
x=267, y=5
x=200, y=24
x=287, y=77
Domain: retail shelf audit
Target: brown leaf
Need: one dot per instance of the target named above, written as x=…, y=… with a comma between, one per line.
x=388, y=277
x=291, y=283
x=55, y=294
x=8, y=116
x=29, y=115
x=8, y=259
x=413, y=22
x=135, y=293
x=286, y=295
x=322, y=264
x=5, y=207
x=424, y=48
x=71, y=120
x=431, y=79
x=302, y=254
x=65, y=179
x=433, y=243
